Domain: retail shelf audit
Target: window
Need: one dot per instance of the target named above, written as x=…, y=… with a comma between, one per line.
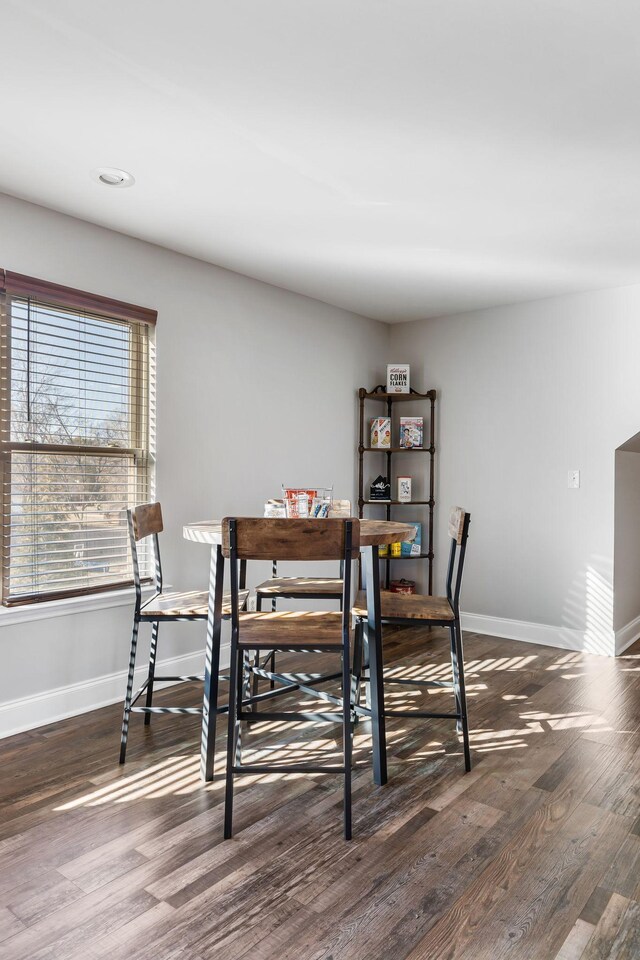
x=76, y=437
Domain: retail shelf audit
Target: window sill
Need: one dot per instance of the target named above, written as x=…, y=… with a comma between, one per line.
x=70, y=606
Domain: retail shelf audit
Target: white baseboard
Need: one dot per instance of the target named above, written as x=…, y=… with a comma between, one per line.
x=564, y=638
x=16, y=716
x=627, y=635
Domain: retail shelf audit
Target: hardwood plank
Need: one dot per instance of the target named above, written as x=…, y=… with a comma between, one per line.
x=9, y=924
x=604, y=936
x=34, y=900
x=573, y=946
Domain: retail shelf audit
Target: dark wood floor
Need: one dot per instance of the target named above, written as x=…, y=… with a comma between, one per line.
x=534, y=854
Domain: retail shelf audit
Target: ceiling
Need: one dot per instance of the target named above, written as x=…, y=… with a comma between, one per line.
x=399, y=158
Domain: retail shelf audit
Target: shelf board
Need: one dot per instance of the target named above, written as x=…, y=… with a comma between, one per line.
x=399, y=503
x=397, y=450
x=421, y=556
x=400, y=396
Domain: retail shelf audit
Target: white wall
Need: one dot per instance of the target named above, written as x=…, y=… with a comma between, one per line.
x=256, y=386
x=526, y=393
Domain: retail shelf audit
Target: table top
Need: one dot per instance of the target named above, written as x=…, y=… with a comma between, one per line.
x=372, y=532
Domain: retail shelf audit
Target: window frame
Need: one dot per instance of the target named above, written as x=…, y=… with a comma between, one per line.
x=18, y=286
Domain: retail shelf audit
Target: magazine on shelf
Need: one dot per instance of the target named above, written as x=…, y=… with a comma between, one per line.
x=411, y=431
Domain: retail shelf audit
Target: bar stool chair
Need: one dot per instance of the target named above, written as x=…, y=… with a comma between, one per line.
x=291, y=631
x=301, y=588
x=145, y=521
x=409, y=609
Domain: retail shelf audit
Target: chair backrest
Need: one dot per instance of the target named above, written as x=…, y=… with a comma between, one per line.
x=279, y=539
x=248, y=538
x=145, y=520
x=458, y=531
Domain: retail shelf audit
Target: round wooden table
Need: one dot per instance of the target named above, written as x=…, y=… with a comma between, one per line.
x=373, y=533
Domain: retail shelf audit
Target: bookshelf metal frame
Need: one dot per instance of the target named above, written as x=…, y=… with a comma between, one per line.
x=379, y=394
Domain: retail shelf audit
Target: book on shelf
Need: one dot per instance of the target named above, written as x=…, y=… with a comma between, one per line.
x=411, y=431
x=413, y=548
x=397, y=378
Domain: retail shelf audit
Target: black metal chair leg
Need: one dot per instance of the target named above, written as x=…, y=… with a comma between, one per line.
x=255, y=680
x=454, y=671
x=127, y=701
x=231, y=739
x=463, y=696
x=242, y=693
x=346, y=737
x=153, y=650
x=356, y=678
x=366, y=670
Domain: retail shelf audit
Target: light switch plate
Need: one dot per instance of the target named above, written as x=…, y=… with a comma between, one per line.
x=573, y=479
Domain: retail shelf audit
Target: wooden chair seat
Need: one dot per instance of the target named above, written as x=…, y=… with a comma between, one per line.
x=193, y=604
x=407, y=606
x=301, y=586
x=291, y=630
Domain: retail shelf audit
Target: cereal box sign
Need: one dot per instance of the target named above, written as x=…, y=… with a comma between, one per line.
x=381, y=433
x=397, y=378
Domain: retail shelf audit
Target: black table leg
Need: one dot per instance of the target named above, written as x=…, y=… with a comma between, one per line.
x=374, y=640
x=212, y=664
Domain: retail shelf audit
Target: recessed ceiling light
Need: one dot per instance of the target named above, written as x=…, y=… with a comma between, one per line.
x=113, y=177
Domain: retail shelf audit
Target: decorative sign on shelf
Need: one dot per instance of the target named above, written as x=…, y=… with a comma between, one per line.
x=380, y=489
x=398, y=378
x=404, y=489
x=381, y=433
x=411, y=431
x=412, y=548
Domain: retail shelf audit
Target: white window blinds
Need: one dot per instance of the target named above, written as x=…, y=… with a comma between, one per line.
x=77, y=439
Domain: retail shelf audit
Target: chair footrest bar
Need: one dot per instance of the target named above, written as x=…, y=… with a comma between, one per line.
x=316, y=648
x=447, y=684
x=186, y=710
x=139, y=692
x=362, y=711
x=279, y=768
x=422, y=713
x=291, y=716
x=295, y=683
x=308, y=678
x=162, y=679
x=167, y=710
